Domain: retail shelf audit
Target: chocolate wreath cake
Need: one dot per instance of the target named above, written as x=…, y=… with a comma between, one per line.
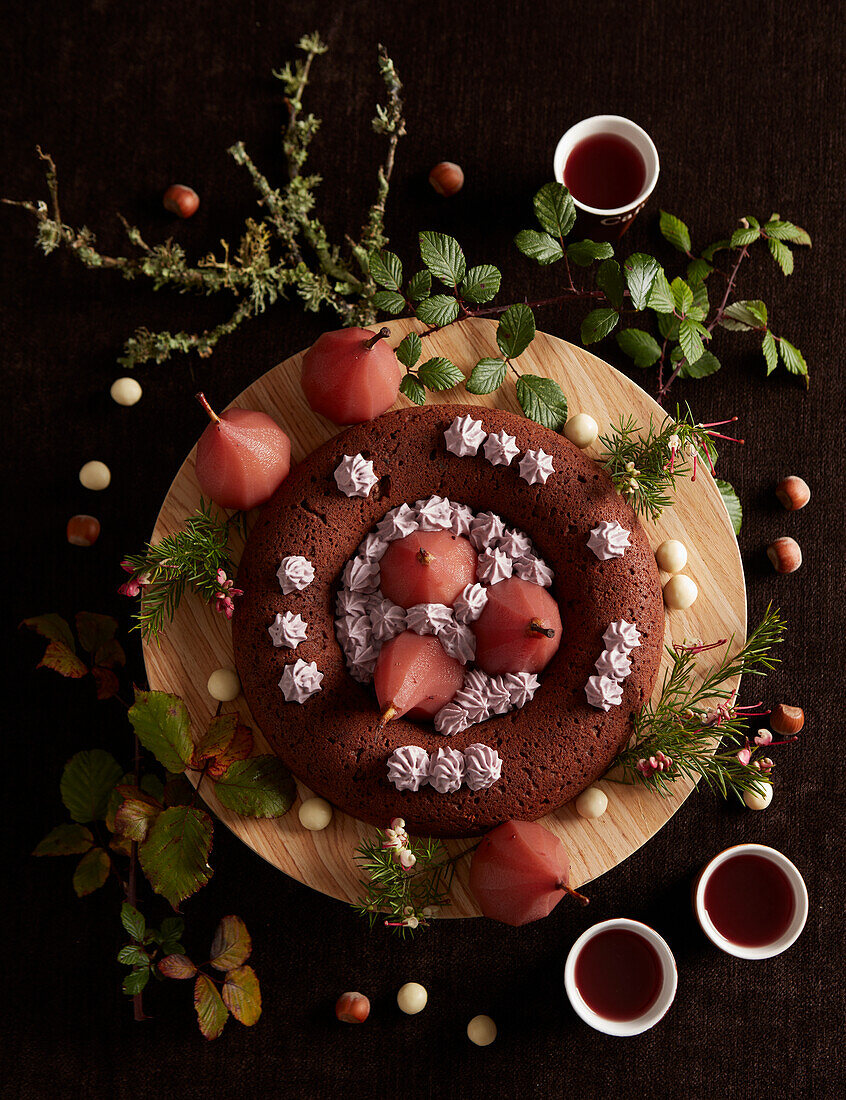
x=313, y=620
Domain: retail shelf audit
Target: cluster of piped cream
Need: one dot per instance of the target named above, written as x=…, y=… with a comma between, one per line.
x=301, y=679
x=605, y=689
x=410, y=767
x=465, y=436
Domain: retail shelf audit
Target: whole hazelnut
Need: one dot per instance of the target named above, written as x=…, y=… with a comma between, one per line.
x=787, y=720
x=181, y=200
x=83, y=530
x=793, y=493
x=447, y=178
x=352, y=1008
x=785, y=555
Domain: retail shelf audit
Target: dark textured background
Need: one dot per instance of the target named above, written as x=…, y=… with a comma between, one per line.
x=745, y=103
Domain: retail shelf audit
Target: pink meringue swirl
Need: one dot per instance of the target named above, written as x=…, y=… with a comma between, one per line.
x=458, y=641
x=354, y=476
x=294, y=574
x=521, y=687
x=500, y=448
x=609, y=540
x=482, y=767
x=408, y=768
x=603, y=693
x=464, y=436
x=451, y=719
x=300, y=681
x=614, y=662
x=470, y=603
x=361, y=576
x=398, y=523
x=288, y=630
x=386, y=618
x=428, y=618
x=494, y=566
x=446, y=770
x=536, y=467
x=530, y=568
x=434, y=514
x=485, y=529
x=622, y=633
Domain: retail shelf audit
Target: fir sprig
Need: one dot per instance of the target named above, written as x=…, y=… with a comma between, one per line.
x=676, y=738
x=197, y=556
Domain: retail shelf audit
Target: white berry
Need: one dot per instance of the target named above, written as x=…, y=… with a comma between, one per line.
x=671, y=556
x=592, y=803
x=125, y=391
x=481, y=1030
x=95, y=475
x=581, y=429
x=680, y=592
x=412, y=998
x=756, y=801
x=315, y=814
x=224, y=685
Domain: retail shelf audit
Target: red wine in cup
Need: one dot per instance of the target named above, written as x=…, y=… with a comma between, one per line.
x=749, y=900
x=605, y=171
x=618, y=974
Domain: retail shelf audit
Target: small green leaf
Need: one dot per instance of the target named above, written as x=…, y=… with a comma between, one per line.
x=52, y=627
x=133, y=922
x=542, y=400
x=176, y=966
x=690, y=340
x=95, y=631
x=480, y=284
x=212, y=1013
x=443, y=257
x=786, y=231
x=242, y=995
x=259, y=787
x=555, y=209
x=706, y=364
x=175, y=854
x=640, y=271
x=232, y=945
x=515, y=331
x=768, y=347
x=597, y=324
x=438, y=310
x=743, y=316
x=439, y=373
x=699, y=310
x=389, y=301
x=65, y=840
x=409, y=349
x=135, y=981
x=162, y=724
x=639, y=346
x=133, y=955
x=675, y=231
x=91, y=872
x=682, y=296
x=609, y=278
x=744, y=236
x=87, y=782
x=781, y=254
x=732, y=503
x=420, y=286
x=668, y=325
x=698, y=271
x=172, y=929
x=386, y=269
x=538, y=246
x=412, y=389
x=487, y=376
x=583, y=253
x=660, y=294
x=792, y=357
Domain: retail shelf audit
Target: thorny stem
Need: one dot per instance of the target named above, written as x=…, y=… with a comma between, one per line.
x=729, y=287
x=132, y=883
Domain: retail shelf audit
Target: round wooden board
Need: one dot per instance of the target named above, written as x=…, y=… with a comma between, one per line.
x=199, y=640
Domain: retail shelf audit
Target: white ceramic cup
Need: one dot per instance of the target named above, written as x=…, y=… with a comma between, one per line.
x=609, y=224
x=800, y=903
x=656, y=1011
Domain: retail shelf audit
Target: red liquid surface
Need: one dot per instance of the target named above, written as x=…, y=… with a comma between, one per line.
x=618, y=973
x=750, y=900
x=605, y=171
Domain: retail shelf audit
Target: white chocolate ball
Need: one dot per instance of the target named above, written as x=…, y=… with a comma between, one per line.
x=224, y=685
x=671, y=556
x=592, y=803
x=581, y=429
x=95, y=475
x=315, y=814
x=412, y=998
x=680, y=592
x=125, y=391
x=757, y=801
x=481, y=1030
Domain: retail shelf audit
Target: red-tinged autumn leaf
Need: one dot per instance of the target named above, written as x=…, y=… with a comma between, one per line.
x=135, y=816
x=123, y=789
x=65, y=840
x=52, y=627
x=87, y=782
x=94, y=630
x=239, y=748
x=259, y=787
x=177, y=966
x=175, y=854
x=216, y=739
x=242, y=995
x=109, y=654
x=232, y=945
x=107, y=682
x=212, y=1013
x=60, y=658
x=91, y=872
x=163, y=728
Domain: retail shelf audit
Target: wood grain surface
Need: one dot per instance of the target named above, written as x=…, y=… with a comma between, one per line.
x=199, y=640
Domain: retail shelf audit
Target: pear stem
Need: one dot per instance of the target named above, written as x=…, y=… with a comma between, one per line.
x=424, y=557
x=537, y=627
x=389, y=713
x=380, y=335
x=201, y=397
x=573, y=893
